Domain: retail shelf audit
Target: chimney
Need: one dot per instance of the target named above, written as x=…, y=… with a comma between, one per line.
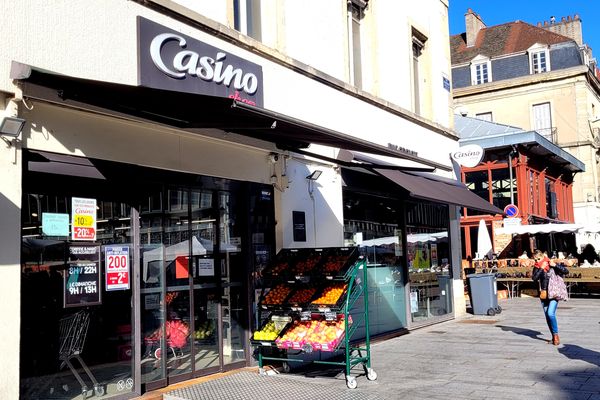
x=473, y=24
x=569, y=27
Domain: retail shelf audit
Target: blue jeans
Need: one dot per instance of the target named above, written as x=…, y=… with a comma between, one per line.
x=550, y=306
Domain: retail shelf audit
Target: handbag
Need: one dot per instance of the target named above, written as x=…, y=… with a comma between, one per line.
x=543, y=294
x=556, y=287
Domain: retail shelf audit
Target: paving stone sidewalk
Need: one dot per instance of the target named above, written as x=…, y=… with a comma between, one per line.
x=477, y=357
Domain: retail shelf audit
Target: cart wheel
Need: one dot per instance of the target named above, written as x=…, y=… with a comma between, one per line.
x=158, y=353
x=99, y=390
x=351, y=382
x=84, y=393
x=371, y=374
x=498, y=310
x=491, y=312
x=285, y=367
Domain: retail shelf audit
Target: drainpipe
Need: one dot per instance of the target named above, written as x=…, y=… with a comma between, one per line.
x=510, y=176
x=350, y=43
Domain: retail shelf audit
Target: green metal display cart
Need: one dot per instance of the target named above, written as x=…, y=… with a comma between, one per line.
x=355, y=352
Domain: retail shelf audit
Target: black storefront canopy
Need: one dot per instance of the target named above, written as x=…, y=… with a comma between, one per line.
x=430, y=187
x=189, y=111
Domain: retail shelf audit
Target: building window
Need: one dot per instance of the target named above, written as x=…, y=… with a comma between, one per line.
x=481, y=74
x=538, y=62
x=246, y=18
x=481, y=70
x=487, y=116
x=539, y=58
x=542, y=120
x=418, y=46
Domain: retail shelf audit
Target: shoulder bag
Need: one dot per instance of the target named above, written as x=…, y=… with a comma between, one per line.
x=556, y=287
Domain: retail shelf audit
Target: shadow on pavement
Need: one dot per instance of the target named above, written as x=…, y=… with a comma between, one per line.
x=523, y=331
x=575, y=352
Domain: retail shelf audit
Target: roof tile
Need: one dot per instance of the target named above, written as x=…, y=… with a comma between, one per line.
x=495, y=41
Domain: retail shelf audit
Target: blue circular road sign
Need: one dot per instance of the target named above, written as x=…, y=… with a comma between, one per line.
x=511, y=211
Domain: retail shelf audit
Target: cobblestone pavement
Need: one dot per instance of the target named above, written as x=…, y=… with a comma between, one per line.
x=477, y=357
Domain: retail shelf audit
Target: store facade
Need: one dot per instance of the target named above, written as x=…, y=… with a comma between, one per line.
x=146, y=209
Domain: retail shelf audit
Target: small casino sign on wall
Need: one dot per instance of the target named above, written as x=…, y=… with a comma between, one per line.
x=468, y=156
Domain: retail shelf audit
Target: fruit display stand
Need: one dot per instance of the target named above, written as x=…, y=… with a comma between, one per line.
x=313, y=291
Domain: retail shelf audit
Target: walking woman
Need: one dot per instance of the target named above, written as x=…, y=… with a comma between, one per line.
x=540, y=274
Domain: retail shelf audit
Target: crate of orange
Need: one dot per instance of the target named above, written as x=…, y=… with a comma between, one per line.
x=330, y=295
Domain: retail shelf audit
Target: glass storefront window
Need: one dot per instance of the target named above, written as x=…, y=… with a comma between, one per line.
x=372, y=223
x=428, y=257
x=194, y=268
x=65, y=331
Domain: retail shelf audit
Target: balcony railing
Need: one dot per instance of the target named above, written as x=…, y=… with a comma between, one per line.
x=549, y=133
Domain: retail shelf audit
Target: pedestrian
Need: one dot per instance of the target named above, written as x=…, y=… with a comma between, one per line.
x=541, y=268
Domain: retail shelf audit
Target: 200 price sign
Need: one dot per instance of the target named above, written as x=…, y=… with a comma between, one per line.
x=117, y=268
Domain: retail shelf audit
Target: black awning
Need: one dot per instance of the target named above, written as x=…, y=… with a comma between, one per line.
x=191, y=111
x=438, y=190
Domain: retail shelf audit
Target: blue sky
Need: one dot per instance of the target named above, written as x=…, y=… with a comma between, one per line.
x=495, y=12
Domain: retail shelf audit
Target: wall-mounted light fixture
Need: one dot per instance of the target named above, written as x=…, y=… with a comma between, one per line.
x=11, y=126
x=314, y=175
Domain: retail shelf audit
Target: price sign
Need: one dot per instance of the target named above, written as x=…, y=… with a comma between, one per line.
x=330, y=316
x=117, y=267
x=82, y=276
x=305, y=316
x=83, y=219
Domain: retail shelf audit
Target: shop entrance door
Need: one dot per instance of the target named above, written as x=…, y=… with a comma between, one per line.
x=193, y=286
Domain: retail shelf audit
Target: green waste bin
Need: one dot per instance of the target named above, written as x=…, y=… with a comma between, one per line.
x=483, y=294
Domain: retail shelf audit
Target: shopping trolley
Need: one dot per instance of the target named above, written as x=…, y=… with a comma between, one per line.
x=73, y=331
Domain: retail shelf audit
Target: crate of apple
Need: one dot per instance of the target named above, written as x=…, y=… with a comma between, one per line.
x=269, y=332
x=301, y=296
x=279, y=268
x=277, y=295
x=319, y=334
x=334, y=264
x=304, y=267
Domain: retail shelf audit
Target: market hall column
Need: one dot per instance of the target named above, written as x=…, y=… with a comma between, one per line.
x=460, y=305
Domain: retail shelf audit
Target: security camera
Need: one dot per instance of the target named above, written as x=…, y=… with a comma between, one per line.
x=273, y=158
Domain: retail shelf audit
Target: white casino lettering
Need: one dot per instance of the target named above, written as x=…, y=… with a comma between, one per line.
x=467, y=154
x=205, y=67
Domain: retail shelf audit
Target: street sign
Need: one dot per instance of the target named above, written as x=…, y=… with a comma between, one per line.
x=511, y=211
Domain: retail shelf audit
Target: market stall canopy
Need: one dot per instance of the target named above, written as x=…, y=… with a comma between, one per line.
x=591, y=228
x=440, y=190
x=191, y=112
x=539, y=228
x=410, y=238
